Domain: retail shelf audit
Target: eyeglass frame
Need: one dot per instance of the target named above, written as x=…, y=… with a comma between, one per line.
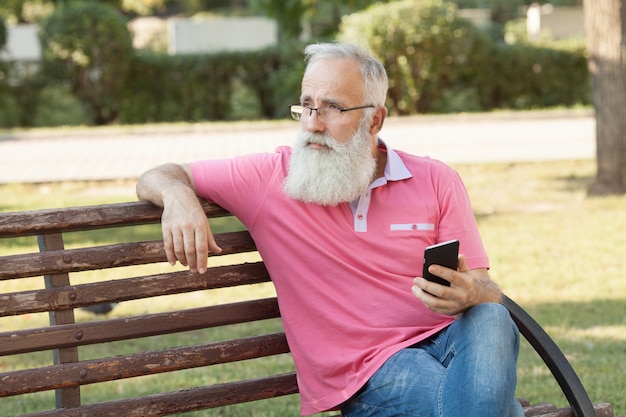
x=317, y=110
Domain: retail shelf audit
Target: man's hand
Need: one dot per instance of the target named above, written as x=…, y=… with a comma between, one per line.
x=187, y=235
x=467, y=288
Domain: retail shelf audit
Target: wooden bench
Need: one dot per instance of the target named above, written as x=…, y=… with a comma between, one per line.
x=67, y=373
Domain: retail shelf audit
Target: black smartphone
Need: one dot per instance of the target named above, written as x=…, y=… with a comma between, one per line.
x=444, y=254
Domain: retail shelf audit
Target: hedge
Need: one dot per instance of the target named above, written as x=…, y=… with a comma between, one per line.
x=437, y=63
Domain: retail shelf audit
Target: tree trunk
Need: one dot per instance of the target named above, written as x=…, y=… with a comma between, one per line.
x=605, y=26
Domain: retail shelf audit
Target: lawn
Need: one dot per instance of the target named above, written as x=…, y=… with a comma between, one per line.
x=553, y=249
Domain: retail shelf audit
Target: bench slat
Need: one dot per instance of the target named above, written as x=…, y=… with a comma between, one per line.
x=186, y=400
x=141, y=364
x=538, y=409
x=82, y=295
x=81, y=334
x=107, y=256
x=601, y=410
x=74, y=219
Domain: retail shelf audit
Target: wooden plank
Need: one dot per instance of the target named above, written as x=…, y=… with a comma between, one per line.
x=604, y=410
x=186, y=400
x=72, y=219
x=81, y=334
x=74, y=296
x=107, y=256
x=601, y=410
x=141, y=364
x=538, y=409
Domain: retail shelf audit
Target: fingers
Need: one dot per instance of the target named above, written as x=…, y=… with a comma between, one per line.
x=433, y=296
x=189, y=243
x=197, y=255
x=463, y=264
x=440, y=298
x=168, y=245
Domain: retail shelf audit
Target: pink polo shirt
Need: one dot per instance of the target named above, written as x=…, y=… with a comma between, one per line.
x=343, y=274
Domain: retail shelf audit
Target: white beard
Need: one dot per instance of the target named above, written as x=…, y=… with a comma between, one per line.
x=331, y=176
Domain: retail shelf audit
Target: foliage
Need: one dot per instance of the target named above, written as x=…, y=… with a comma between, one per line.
x=142, y=7
x=163, y=88
x=19, y=94
x=526, y=77
x=178, y=88
x=274, y=75
x=320, y=17
x=288, y=14
x=424, y=45
x=89, y=44
x=57, y=106
x=26, y=11
x=3, y=33
x=438, y=62
x=9, y=113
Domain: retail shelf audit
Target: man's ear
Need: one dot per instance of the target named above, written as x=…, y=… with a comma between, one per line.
x=378, y=120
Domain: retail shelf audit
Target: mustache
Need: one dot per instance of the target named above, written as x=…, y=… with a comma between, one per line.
x=324, y=139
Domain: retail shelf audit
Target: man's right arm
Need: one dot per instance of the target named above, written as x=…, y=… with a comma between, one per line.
x=187, y=235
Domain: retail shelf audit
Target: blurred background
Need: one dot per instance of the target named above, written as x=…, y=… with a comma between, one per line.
x=143, y=61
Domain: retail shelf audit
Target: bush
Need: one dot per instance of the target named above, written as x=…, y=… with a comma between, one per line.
x=59, y=107
x=191, y=88
x=89, y=44
x=522, y=76
x=438, y=62
x=19, y=94
x=9, y=111
x=275, y=75
x=425, y=47
x=220, y=86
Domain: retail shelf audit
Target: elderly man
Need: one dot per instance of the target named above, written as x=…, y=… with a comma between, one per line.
x=342, y=221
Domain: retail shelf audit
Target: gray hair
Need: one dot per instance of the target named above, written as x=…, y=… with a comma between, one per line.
x=374, y=75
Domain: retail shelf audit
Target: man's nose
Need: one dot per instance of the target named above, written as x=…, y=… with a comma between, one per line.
x=312, y=122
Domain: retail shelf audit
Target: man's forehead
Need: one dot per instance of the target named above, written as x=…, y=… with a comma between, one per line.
x=333, y=81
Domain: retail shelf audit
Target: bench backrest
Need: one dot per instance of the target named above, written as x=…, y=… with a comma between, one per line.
x=58, y=288
x=64, y=289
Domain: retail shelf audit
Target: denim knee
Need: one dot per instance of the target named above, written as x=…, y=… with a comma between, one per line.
x=490, y=320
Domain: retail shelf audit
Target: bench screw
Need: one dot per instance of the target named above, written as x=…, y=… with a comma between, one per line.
x=78, y=334
x=83, y=373
x=67, y=259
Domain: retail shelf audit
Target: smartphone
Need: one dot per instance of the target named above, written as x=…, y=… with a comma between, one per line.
x=444, y=254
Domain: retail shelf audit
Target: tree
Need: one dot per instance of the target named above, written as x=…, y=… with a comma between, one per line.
x=89, y=44
x=605, y=26
x=292, y=14
x=427, y=48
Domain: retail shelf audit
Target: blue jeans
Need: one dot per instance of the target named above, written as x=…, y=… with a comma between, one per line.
x=467, y=369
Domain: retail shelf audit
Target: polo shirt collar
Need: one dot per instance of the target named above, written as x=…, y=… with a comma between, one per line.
x=395, y=169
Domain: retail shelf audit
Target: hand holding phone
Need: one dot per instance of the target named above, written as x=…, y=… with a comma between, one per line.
x=444, y=254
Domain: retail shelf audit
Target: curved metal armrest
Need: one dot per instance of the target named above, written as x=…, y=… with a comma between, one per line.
x=553, y=358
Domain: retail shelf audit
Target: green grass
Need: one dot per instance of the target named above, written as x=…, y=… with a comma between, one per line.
x=554, y=250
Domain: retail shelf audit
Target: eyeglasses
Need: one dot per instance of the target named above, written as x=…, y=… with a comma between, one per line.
x=327, y=113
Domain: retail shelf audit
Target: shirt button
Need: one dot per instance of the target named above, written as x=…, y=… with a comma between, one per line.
x=359, y=216
x=414, y=226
